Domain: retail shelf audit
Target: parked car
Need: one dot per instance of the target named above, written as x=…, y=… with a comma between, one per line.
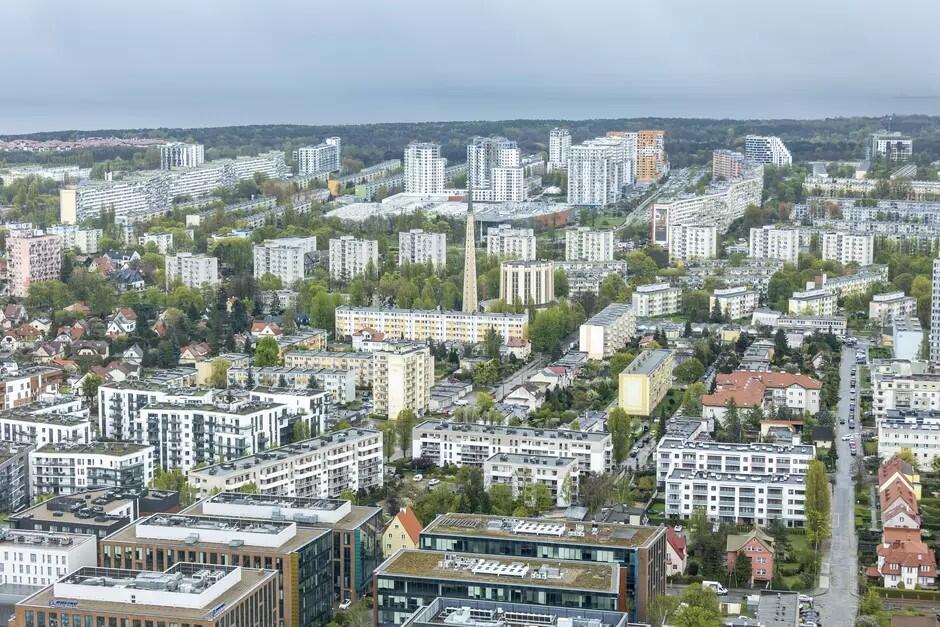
x=433, y=482
x=418, y=477
x=717, y=587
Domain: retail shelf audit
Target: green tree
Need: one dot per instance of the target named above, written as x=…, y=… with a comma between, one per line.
x=661, y=609
x=389, y=438
x=301, y=430
x=817, y=502
x=537, y=498
x=502, y=502
x=218, y=373
x=174, y=480
x=49, y=295
x=404, y=424
x=907, y=455
x=491, y=343
x=618, y=425
x=249, y=488
x=440, y=500
x=267, y=352
x=620, y=360
x=486, y=373
x=732, y=429
x=90, y=387
x=695, y=305
x=689, y=371
x=700, y=608
x=935, y=464
x=268, y=281
x=561, y=284
x=484, y=402
x=692, y=399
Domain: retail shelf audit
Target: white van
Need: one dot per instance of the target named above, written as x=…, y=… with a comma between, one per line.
x=715, y=586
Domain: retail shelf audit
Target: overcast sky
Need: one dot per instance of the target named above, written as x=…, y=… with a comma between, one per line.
x=114, y=63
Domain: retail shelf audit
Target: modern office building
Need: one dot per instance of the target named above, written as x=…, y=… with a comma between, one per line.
x=299, y=554
x=85, y=240
x=651, y=161
x=846, y=248
x=737, y=498
x=416, y=246
x=775, y=242
x=527, y=282
x=607, y=331
x=816, y=302
x=192, y=270
x=40, y=558
x=558, y=474
x=14, y=476
x=411, y=579
x=472, y=443
x=32, y=256
x=734, y=302
x=207, y=595
x=638, y=552
x=913, y=429
x=430, y=324
x=768, y=150
x=891, y=146
x=403, y=375
x=728, y=164
x=658, y=299
x=357, y=531
x=586, y=244
x=351, y=257
x=448, y=611
x=66, y=468
x=181, y=155
x=645, y=382
x=692, y=242
x=322, y=158
x=286, y=258
x=494, y=165
x=691, y=454
x=424, y=168
x=884, y=307
x=559, y=147
x=507, y=242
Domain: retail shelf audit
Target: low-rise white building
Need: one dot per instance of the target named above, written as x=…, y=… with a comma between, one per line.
x=65, y=468
x=459, y=443
x=690, y=454
x=659, y=299
x=734, y=302
x=25, y=425
x=818, y=302
x=884, y=307
x=689, y=242
x=340, y=384
x=903, y=384
x=916, y=430
x=163, y=241
x=321, y=467
x=607, y=331
x=40, y=558
x=416, y=246
x=429, y=324
x=558, y=474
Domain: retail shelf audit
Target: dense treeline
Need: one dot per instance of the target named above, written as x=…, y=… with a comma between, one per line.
x=689, y=141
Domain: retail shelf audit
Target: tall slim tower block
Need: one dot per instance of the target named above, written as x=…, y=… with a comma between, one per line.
x=470, y=256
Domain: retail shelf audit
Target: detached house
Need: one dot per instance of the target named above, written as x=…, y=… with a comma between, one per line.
x=676, y=556
x=909, y=563
x=403, y=532
x=192, y=353
x=12, y=315
x=759, y=547
x=265, y=329
x=124, y=322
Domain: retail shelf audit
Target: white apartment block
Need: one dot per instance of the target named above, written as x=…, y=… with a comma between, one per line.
x=597, y=173
x=285, y=258
x=607, y=331
x=402, y=377
x=41, y=558
x=918, y=431
x=507, y=242
x=163, y=241
x=191, y=270
x=322, y=467
x=424, y=168
x=459, y=443
x=527, y=282
x=422, y=325
x=775, y=242
x=351, y=257
x=85, y=240
x=339, y=384
x=884, y=307
x=934, y=338
x=734, y=302
x=892, y=146
x=723, y=203
x=358, y=362
x=322, y=158
x=586, y=244
x=494, y=167
x=857, y=283
x=690, y=242
x=690, y=455
x=657, y=299
x=848, y=247
x=903, y=385
x=559, y=147
x=744, y=499
x=817, y=303
x=559, y=474
x=416, y=246
x=65, y=468
x=23, y=425
x=766, y=150
x=181, y=155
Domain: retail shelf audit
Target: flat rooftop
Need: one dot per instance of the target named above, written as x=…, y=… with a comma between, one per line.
x=85, y=508
x=364, y=355
x=239, y=408
x=778, y=609
x=522, y=432
x=750, y=478
x=530, y=529
x=531, y=460
x=26, y=414
x=98, y=448
x=42, y=539
x=610, y=314
x=736, y=447
x=539, y=573
x=655, y=287
x=451, y=612
x=434, y=313
x=648, y=362
x=282, y=453
x=357, y=516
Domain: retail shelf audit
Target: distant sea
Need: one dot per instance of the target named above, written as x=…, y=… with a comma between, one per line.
x=296, y=106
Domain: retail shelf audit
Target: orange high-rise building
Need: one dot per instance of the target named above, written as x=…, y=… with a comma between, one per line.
x=651, y=163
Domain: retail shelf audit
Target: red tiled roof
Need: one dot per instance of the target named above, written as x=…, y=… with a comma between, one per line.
x=913, y=554
x=677, y=542
x=517, y=342
x=410, y=523
x=898, y=490
x=258, y=327
x=128, y=313
x=893, y=466
x=746, y=388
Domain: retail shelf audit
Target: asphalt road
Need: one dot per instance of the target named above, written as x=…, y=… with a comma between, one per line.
x=841, y=565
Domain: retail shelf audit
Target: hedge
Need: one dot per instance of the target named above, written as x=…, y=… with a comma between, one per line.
x=919, y=595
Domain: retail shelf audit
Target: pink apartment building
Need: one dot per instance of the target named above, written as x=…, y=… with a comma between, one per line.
x=32, y=256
